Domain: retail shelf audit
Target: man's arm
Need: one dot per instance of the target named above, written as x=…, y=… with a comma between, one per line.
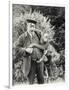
x=19, y=43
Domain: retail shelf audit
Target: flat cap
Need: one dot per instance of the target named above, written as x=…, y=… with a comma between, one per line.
x=31, y=21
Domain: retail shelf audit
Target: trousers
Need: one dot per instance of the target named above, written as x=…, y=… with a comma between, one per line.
x=36, y=68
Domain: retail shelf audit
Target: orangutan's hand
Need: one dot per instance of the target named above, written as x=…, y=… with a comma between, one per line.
x=39, y=60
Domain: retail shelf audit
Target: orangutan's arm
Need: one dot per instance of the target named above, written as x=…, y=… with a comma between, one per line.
x=37, y=46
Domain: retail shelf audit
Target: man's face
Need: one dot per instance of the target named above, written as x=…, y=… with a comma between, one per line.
x=30, y=28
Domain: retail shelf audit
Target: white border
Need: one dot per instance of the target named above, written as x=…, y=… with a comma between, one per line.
x=33, y=2
x=10, y=44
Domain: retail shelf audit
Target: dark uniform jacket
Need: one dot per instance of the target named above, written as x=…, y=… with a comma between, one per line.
x=23, y=42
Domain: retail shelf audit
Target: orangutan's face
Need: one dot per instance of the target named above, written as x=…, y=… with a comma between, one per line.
x=44, y=38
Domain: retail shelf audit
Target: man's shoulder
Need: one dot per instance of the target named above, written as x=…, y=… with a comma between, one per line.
x=23, y=35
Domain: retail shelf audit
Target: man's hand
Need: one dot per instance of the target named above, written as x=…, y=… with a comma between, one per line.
x=29, y=50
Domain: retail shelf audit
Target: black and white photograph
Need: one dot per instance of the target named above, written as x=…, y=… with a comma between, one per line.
x=38, y=44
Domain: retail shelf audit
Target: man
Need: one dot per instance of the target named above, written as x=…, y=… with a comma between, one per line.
x=31, y=55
